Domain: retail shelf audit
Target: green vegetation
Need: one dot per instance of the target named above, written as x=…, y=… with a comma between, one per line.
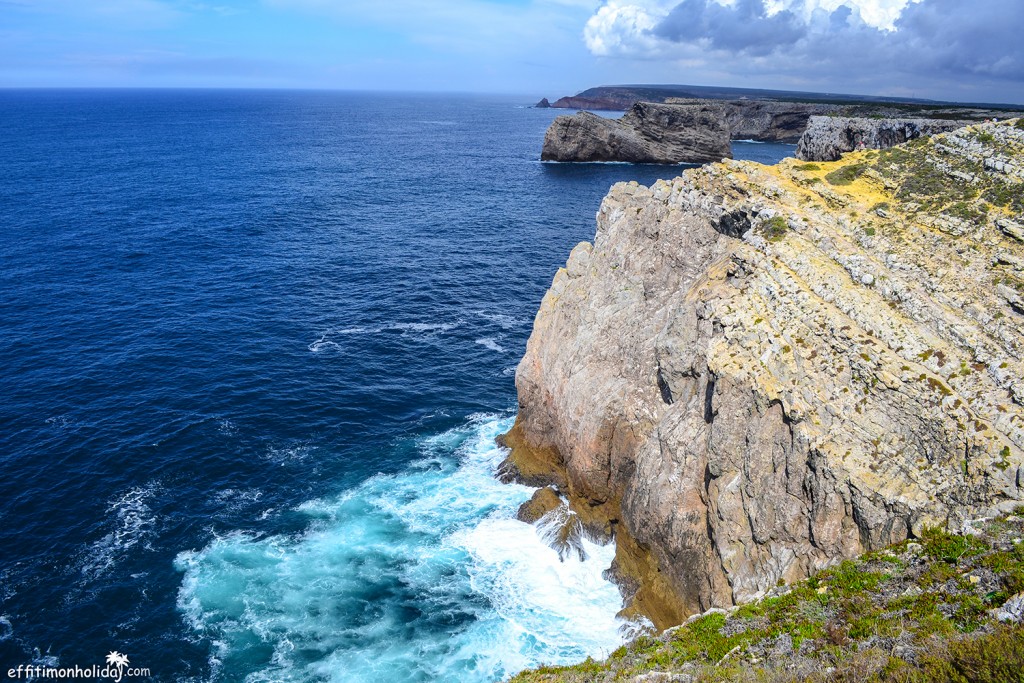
x=950, y=548
x=775, y=228
x=807, y=167
x=1005, y=195
x=847, y=174
x=916, y=612
x=972, y=213
x=932, y=182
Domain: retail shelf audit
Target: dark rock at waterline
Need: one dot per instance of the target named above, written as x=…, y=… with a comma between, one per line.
x=543, y=104
x=543, y=501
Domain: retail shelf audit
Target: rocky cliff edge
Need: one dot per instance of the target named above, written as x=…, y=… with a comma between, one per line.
x=828, y=138
x=755, y=371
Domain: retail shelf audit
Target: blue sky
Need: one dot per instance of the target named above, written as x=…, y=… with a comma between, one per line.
x=947, y=49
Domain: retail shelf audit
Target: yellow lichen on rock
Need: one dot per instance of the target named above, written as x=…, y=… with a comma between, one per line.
x=756, y=371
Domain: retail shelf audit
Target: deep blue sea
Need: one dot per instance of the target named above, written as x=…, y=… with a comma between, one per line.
x=254, y=351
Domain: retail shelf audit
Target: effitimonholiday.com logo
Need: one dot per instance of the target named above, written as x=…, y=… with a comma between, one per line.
x=116, y=668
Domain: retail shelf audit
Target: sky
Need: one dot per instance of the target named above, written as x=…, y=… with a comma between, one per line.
x=962, y=50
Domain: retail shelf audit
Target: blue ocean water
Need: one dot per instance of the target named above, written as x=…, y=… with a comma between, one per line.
x=254, y=351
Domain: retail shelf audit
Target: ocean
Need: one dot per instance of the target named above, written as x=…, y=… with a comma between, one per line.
x=255, y=347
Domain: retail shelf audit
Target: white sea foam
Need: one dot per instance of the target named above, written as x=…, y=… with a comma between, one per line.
x=227, y=427
x=490, y=343
x=134, y=525
x=418, y=331
x=48, y=660
x=61, y=422
x=292, y=453
x=503, y=320
x=425, y=575
x=323, y=344
x=751, y=142
x=6, y=629
x=235, y=500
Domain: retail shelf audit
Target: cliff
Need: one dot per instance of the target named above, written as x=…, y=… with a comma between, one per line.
x=648, y=133
x=765, y=120
x=669, y=131
x=827, y=138
x=754, y=372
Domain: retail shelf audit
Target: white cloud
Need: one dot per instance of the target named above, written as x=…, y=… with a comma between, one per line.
x=621, y=29
x=877, y=13
x=626, y=27
x=921, y=47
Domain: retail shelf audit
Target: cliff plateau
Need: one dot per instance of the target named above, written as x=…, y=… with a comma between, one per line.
x=754, y=372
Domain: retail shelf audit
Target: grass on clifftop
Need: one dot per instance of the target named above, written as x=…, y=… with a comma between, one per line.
x=921, y=611
x=934, y=181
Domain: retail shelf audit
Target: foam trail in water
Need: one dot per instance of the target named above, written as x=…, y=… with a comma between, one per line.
x=423, y=576
x=134, y=523
x=490, y=343
x=416, y=331
x=6, y=629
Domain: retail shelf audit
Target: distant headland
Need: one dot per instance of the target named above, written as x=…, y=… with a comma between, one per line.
x=693, y=124
x=622, y=97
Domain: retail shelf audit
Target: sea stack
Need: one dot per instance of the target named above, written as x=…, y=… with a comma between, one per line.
x=648, y=133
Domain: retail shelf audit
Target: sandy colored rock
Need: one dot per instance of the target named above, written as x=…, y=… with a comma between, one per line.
x=543, y=501
x=753, y=373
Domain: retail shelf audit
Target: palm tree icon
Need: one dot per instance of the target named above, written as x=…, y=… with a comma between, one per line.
x=117, y=659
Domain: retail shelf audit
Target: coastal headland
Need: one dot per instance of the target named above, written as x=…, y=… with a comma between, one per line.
x=755, y=373
x=662, y=127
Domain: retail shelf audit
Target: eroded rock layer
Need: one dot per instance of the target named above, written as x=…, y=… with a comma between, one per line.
x=828, y=138
x=648, y=133
x=755, y=371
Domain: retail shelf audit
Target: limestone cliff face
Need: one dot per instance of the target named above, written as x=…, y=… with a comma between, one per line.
x=827, y=138
x=753, y=372
x=767, y=120
x=648, y=133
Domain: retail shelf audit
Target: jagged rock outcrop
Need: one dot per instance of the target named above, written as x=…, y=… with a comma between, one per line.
x=827, y=138
x=648, y=133
x=543, y=501
x=824, y=131
x=756, y=371
x=543, y=104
